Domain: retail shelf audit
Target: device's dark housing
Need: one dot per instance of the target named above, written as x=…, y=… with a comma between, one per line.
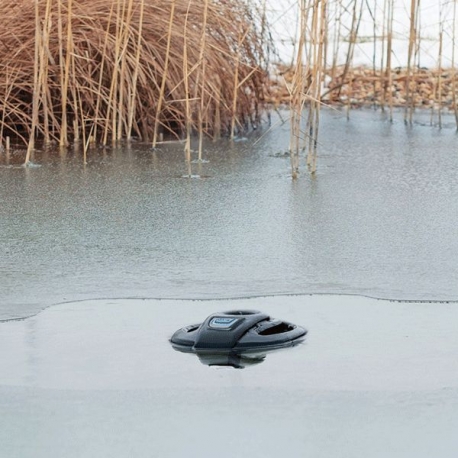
x=237, y=331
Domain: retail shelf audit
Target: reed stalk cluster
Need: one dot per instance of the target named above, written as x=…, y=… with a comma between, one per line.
x=104, y=70
x=323, y=70
x=306, y=84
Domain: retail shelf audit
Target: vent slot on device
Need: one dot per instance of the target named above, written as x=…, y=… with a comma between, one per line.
x=277, y=329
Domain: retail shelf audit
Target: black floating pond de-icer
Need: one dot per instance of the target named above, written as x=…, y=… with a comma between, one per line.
x=237, y=332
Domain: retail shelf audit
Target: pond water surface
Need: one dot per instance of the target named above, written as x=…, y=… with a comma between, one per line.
x=101, y=263
x=379, y=219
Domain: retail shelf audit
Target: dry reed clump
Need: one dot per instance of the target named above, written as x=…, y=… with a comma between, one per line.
x=362, y=86
x=110, y=69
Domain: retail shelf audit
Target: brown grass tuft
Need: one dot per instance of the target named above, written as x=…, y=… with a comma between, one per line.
x=111, y=69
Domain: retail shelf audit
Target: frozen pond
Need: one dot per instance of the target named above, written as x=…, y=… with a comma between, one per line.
x=100, y=379
x=379, y=220
x=101, y=263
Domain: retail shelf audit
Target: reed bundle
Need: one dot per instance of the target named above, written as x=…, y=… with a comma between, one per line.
x=323, y=69
x=306, y=83
x=102, y=70
x=362, y=86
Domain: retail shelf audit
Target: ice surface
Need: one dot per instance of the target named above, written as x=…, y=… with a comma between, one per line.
x=100, y=379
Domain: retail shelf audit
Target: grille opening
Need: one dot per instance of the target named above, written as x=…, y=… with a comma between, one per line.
x=241, y=312
x=277, y=329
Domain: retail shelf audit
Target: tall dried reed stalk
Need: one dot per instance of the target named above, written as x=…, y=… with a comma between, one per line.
x=307, y=83
x=316, y=53
x=164, y=73
x=337, y=33
x=297, y=91
x=357, y=10
x=386, y=79
x=439, y=69
x=112, y=69
x=454, y=88
x=200, y=83
x=411, y=69
x=187, y=109
x=388, y=83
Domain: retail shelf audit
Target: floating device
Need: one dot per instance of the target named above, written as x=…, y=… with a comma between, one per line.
x=237, y=337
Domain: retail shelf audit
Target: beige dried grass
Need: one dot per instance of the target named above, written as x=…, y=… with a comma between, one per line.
x=112, y=69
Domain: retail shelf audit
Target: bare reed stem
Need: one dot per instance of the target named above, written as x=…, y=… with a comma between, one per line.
x=36, y=85
x=439, y=77
x=454, y=88
x=236, y=83
x=188, y=122
x=164, y=75
x=202, y=79
x=133, y=94
x=389, y=45
x=408, y=113
x=296, y=92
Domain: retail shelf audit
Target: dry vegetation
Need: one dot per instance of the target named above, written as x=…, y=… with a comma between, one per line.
x=363, y=86
x=328, y=32
x=102, y=70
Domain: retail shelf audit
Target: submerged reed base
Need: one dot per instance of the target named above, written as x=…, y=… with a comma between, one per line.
x=105, y=70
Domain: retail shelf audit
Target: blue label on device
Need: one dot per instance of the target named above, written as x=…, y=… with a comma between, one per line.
x=222, y=323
